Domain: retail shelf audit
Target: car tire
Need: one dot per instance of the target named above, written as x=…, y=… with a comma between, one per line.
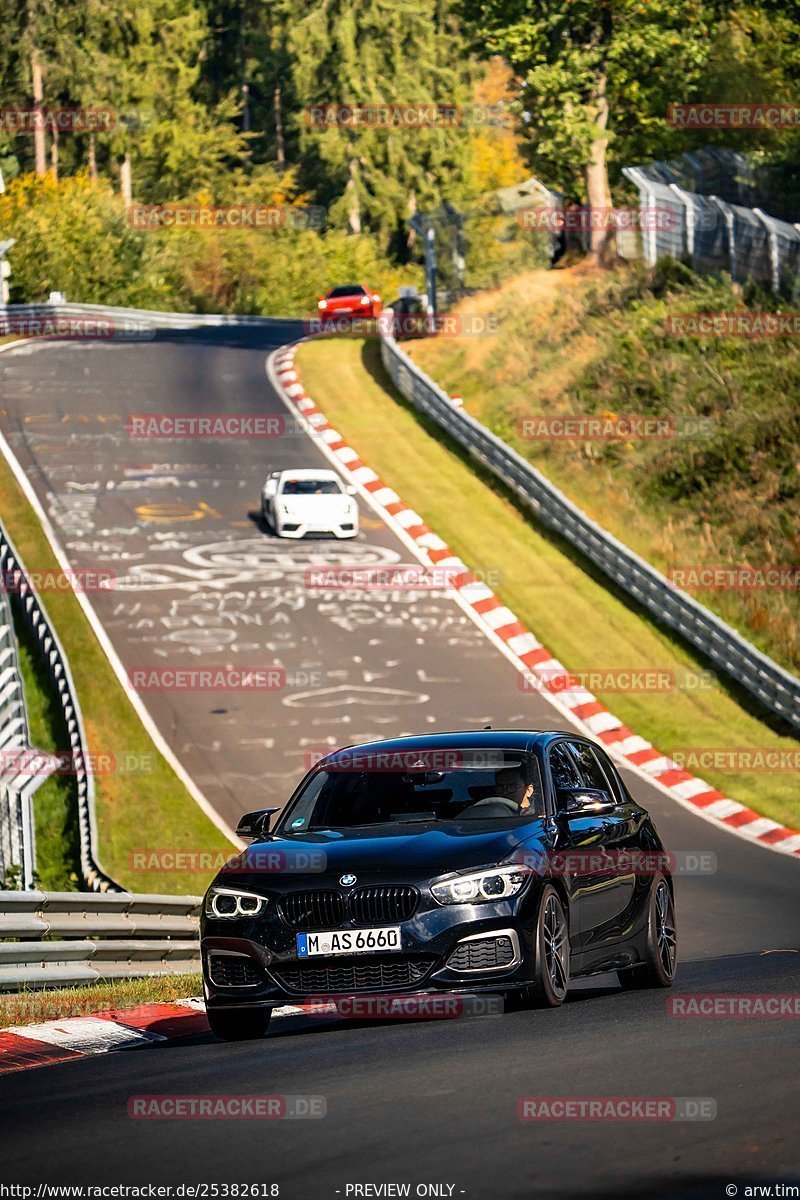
x=238, y=1025
x=551, y=943
x=658, y=968
x=265, y=513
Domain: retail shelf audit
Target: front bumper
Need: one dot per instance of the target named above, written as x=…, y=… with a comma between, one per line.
x=286, y=528
x=434, y=959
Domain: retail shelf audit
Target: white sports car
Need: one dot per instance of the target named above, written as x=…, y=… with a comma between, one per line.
x=295, y=503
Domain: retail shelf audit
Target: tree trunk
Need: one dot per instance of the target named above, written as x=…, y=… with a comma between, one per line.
x=245, y=108
x=602, y=242
x=38, y=129
x=280, y=152
x=125, y=180
x=353, y=202
x=92, y=158
x=411, y=236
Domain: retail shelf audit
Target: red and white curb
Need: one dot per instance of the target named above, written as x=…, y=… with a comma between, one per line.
x=517, y=642
x=72, y=1038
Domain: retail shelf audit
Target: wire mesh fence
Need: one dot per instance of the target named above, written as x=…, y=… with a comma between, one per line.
x=712, y=208
x=704, y=208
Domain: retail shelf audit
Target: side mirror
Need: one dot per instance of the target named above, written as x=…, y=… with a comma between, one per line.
x=583, y=802
x=255, y=824
x=351, y=491
x=270, y=487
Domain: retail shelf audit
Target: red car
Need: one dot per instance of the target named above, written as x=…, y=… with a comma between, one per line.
x=351, y=300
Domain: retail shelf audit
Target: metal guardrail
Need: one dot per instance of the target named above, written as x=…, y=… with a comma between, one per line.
x=22, y=769
x=129, y=322
x=776, y=689
x=71, y=938
x=34, y=615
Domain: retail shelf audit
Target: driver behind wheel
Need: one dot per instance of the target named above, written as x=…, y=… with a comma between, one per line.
x=509, y=784
x=509, y=792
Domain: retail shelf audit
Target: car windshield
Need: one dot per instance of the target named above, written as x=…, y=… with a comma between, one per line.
x=358, y=792
x=310, y=487
x=350, y=290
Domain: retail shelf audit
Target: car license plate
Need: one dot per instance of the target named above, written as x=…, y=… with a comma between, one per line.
x=348, y=941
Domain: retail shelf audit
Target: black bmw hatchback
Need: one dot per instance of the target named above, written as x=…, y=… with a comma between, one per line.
x=494, y=861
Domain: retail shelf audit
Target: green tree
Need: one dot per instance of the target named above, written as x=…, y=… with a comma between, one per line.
x=372, y=53
x=597, y=78
x=144, y=64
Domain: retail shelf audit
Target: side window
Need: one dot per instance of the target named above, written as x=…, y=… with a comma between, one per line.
x=617, y=786
x=562, y=768
x=592, y=774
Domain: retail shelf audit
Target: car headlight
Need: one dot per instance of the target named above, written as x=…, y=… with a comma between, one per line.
x=496, y=884
x=364, y=300
x=228, y=904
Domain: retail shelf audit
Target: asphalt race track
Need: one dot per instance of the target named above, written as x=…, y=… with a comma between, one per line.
x=201, y=582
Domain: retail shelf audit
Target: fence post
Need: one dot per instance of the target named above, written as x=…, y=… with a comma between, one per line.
x=774, y=253
x=688, y=217
x=728, y=216
x=649, y=247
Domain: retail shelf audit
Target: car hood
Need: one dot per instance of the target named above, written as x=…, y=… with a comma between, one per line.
x=403, y=853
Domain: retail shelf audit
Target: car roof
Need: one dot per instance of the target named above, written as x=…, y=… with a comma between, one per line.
x=465, y=739
x=311, y=473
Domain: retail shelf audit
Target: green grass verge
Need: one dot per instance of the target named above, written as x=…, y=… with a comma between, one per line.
x=30, y=1007
x=725, y=490
x=145, y=809
x=580, y=620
